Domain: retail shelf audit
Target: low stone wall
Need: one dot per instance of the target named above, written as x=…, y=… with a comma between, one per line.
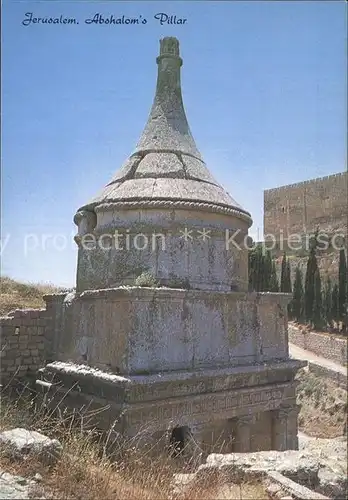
x=23, y=350
x=325, y=345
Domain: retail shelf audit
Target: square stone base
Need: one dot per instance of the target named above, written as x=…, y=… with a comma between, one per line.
x=251, y=408
x=134, y=330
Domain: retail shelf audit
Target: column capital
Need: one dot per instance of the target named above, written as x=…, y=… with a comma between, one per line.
x=244, y=419
x=286, y=411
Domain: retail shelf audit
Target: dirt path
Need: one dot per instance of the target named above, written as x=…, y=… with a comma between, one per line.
x=299, y=353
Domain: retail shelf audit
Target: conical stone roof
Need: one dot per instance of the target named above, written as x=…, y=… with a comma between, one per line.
x=166, y=165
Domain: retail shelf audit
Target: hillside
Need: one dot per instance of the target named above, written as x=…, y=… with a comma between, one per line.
x=16, y=295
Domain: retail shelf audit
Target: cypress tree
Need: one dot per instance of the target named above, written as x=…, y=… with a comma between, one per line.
x=251, y=264
x=262, y=271
x=317, y=304
x=312, y=266
x=252, y=269
x=297, y=300
x=267, y=272
x=342, y=289
x=288, y=278
x=347, y=281
x=288, y=287
x=283, y=274
x=256, y=268
x=328, y=303
x=334, y=303
x=273, y=282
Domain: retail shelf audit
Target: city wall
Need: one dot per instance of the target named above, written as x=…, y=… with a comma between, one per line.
x=301, y=208
x=25, y=344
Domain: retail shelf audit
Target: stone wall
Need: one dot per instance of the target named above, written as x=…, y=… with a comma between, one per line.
x=300, y=208
x=325, y=345
x=24, y=340
x=328, y=264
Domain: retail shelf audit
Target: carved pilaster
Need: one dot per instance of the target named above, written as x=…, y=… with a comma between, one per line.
x=196, y=443
x=243, y=431
x=292, y=428
x=284, y=428
x=279, y=429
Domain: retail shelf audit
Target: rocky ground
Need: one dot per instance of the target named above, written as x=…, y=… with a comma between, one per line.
x=331, y=456
x=323, y=405
x=14, y=487
x=319, y=464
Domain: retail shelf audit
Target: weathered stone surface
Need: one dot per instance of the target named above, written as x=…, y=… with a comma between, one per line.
x=235, y=466
x=128, y=169
x=161, y=329
x=15, y=487
x=197, y=169
x=170, y=243
x=167, y=126
x=167, y=174
x=22, y=347
x=331, y=455
x=319, y=464
x=274, y=491
x=295, y=489
x=21, y=443
x=302, y=207
x=333, y=483
x=160, y=165
x=172, y=189
x=159, y=403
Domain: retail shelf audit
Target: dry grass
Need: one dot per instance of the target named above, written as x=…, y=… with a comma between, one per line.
x=323, y=406
x=15, y=295
x=86, y=471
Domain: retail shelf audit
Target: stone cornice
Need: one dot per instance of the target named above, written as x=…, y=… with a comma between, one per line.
x=173, y=204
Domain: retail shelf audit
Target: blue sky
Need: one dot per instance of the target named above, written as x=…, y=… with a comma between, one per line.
x=263, y=87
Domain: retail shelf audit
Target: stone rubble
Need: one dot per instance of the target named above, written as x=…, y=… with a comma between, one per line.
x=319, y=464
x=21, y=443
x=239, y=466
x=332, y=459
x=18, y=487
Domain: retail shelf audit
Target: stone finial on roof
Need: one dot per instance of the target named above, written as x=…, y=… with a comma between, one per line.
x=166, y=166
x=167, y=128
x=169, y=46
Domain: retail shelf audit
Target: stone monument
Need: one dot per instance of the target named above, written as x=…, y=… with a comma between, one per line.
x=162, y=330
